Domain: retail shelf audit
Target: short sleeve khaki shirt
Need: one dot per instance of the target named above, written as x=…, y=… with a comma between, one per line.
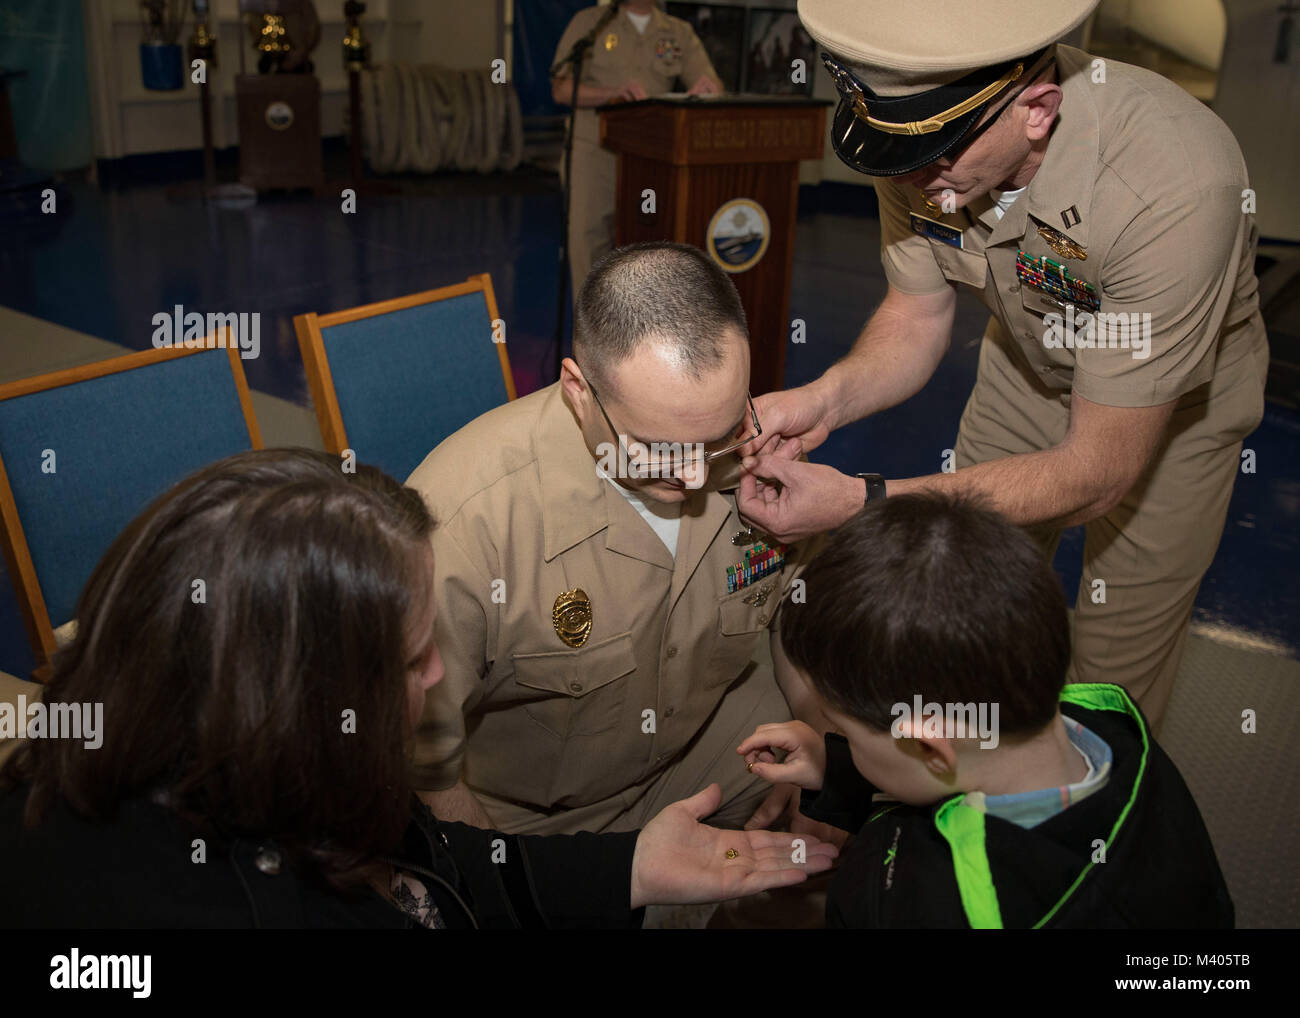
x=666, y=51
x=1151, y=188
x=524, y=517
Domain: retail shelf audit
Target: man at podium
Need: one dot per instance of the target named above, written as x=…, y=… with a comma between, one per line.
x=638, y=52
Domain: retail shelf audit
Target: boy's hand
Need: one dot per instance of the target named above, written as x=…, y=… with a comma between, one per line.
x=782, y=803
x=805, y=754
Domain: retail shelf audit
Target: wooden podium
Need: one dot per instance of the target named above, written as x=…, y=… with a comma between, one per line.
x=725, y=177
x=279, y=131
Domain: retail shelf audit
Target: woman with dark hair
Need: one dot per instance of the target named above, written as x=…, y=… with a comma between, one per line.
x=260, y=639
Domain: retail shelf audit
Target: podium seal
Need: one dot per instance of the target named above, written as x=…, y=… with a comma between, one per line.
x=738, y=235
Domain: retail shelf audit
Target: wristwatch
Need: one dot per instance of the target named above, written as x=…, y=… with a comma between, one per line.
x=875, y=487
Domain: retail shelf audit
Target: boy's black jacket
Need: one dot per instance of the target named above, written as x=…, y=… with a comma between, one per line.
x=1160, y=869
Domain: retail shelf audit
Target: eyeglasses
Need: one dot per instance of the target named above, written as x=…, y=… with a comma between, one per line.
x=668, y=459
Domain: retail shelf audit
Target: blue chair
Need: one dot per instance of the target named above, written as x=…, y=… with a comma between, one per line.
x=391, y=380
x=82, y=451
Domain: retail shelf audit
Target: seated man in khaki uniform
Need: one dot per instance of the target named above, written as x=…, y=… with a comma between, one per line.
x=639, y=53
x=11, y=688
x=598, y=628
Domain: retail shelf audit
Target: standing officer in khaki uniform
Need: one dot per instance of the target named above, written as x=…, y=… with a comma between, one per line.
x=1097, y=211
x=641, y=53
x=598, y=642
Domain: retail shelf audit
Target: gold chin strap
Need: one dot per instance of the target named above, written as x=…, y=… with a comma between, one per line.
x=937, y=122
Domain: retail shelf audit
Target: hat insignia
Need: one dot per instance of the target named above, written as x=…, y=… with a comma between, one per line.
x=844, y=82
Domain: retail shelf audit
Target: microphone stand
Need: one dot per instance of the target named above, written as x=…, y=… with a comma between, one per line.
x=576, y=57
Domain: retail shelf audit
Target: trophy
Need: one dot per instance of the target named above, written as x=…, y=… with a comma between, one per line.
x=203, y=44
x=284, y=32
x=279, y=107
x=356, y=50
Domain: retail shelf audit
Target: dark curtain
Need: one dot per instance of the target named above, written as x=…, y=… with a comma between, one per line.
x=51, y=103
x=538, y=25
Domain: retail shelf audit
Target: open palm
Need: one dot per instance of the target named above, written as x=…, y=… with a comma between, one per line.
x=680, y=861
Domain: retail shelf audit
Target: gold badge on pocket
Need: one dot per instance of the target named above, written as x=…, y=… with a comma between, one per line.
x=571, y=616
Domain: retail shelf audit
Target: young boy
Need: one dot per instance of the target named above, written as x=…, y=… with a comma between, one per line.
x=937, y=637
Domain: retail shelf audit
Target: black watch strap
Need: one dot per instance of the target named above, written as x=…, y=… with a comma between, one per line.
x=875, y=487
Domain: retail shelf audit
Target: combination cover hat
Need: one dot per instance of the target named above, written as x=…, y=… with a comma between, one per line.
x=915, y=79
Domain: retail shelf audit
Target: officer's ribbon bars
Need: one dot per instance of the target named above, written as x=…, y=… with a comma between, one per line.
x=759, y=561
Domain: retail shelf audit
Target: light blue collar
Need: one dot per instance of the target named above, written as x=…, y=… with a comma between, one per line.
x=1029, y=809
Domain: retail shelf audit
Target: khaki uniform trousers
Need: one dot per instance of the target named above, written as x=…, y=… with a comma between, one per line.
x=1153, y=548
x=591, y=206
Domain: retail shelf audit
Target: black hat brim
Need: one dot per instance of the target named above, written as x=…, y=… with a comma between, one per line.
x=880, y=153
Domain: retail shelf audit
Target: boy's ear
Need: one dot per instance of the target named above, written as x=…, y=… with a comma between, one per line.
x=938, y=754
x=934, y=751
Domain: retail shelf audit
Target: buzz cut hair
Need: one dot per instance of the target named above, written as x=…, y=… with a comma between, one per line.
x=669, y=294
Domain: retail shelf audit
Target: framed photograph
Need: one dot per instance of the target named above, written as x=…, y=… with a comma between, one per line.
x=775, y=39
x=722, y=30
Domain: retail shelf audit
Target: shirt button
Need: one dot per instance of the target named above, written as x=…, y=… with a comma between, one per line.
x=762, y=620
x=268, y=861
x=576, y=686
x=672, y=651
x=1013, y=288
x=1046, y=369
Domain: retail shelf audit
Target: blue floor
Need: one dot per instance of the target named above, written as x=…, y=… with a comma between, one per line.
x=115, y=258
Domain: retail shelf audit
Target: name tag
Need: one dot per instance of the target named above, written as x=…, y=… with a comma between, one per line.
x=936, y=231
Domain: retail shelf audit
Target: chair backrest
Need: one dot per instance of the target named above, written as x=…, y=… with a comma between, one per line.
x=391, y=380
x=82, y=451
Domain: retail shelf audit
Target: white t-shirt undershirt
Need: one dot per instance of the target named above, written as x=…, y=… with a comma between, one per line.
x=1003, y=200
x=639, y=20
x=665, y=518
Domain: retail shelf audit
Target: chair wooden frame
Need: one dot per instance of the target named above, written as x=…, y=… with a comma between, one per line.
x=18, y=556
x=320, y=380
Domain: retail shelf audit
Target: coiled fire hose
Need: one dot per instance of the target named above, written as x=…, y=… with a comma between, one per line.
x=420, y=119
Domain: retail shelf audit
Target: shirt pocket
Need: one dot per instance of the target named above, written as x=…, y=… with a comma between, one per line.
x=740, y=626
x=666, y=58
x=965, y=267
x=1043, y=338
x=576, y=692
x=607, y=66
x=1038, y=303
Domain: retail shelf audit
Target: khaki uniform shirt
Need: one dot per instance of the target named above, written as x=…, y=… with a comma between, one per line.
x=1150, y=184
x=668, y=49
x=10, y=689
x=522, y=517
